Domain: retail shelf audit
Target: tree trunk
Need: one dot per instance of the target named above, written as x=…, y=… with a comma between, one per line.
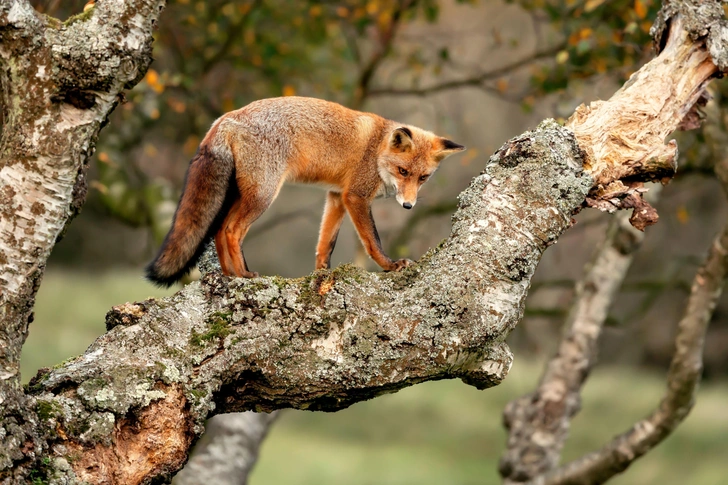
x=59, y=83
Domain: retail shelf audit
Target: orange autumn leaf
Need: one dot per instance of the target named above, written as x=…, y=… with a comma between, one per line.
x=289, y=90
x=190, y=145
x=501, y=85
x=682, y=214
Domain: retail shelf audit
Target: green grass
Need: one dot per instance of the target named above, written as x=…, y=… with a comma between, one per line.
x=434, y=433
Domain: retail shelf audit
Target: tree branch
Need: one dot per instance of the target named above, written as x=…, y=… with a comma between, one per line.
x=227, y=452
x=235, y=31
x=386, y=38
x=682, y=383
x=321, y=342
x=475, y=81
x=617, y=145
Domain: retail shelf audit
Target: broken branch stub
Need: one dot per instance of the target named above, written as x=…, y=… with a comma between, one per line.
x=624, y=138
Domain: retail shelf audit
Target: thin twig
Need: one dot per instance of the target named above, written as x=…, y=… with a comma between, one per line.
x=386, y=39
x=475, y=81
x=234, y=33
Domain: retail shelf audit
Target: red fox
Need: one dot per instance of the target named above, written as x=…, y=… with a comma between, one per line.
x=249, y=153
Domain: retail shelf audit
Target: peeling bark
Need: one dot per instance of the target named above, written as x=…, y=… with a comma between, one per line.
x=153, y=441
x=623, y=138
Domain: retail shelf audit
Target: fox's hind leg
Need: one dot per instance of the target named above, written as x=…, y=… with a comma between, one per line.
x=230, y=238
x=253, y=201
x=222, y=252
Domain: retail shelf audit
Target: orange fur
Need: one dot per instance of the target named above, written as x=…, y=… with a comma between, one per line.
x=357, y=156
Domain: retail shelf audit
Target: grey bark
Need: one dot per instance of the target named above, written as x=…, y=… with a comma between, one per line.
x=229, y=447
x=129, y=409
x=227, y=452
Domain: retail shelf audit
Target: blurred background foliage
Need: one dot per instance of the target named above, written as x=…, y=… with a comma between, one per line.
x=479, y=72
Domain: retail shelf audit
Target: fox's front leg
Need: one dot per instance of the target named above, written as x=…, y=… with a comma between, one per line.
x=330, y=224
x=361, y=215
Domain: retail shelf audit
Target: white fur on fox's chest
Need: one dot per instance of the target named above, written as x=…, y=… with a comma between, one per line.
x=389, y=184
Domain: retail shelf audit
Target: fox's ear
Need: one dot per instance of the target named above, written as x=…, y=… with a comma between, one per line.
x=448, y=148
x=401, y=139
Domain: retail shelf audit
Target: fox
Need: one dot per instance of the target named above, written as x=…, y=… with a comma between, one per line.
x=248, y=154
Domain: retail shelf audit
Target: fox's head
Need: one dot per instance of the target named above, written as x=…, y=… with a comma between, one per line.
x=410, y=158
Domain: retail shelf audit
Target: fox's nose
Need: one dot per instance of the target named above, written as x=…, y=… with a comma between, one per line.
x=407, y=205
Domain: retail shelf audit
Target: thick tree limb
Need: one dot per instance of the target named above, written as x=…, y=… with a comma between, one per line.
x=321, y=342
x=228, y=450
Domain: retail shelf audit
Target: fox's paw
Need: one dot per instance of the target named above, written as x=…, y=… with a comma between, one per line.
x=400, y=263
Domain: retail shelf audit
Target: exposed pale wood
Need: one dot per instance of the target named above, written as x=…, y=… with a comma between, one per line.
x=624, y=138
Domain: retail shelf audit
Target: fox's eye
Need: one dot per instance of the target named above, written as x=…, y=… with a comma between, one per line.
x=403, y=172
x=423, y=178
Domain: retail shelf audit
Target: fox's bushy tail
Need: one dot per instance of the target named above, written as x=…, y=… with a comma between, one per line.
x=207, y=190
